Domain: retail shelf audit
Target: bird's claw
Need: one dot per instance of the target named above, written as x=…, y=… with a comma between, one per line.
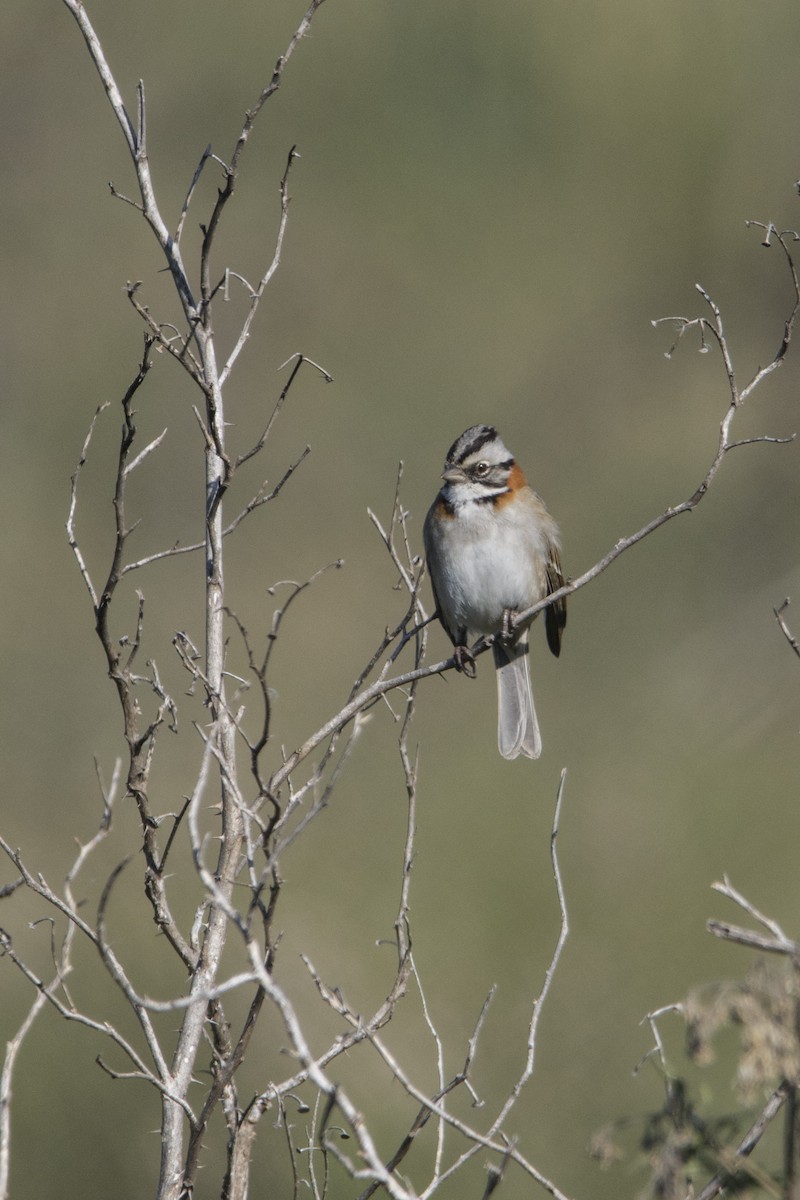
x=506, y=633
x=465, y=661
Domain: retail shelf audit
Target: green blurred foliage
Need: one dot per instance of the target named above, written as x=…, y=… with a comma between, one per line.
x=491, y=205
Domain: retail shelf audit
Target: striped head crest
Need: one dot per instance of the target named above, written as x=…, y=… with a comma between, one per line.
x=471, y=441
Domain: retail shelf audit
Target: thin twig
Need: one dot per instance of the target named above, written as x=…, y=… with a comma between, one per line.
x=73, y=501
x=748, y=1143
x=787, y=633
x=726, y=888
x=195, y=179
x=257, y=292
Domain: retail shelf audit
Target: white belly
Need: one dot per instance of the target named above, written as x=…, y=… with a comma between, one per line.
x=485, y=562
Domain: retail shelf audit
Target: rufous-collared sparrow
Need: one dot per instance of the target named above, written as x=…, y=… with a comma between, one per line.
x=493, y=551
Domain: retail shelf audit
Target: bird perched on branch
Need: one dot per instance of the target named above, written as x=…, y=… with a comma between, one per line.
x=493, y=551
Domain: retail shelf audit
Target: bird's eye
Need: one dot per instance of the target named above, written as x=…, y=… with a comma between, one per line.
x=481, y=469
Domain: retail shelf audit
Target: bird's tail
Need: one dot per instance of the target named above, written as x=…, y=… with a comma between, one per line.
x=517, y=727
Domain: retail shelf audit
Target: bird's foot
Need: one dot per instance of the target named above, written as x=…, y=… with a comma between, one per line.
x=506, y=633
x=465, y=661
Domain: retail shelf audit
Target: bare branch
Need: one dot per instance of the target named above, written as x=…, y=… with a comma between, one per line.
x=138, y=152
x=195, y=180
x=109, y=83
x=232, y=169
x=261, y=497
x=181, y=353
x=787, y=633
x=13, y=1047
x=777, y=942
x=496, y=1128
x=275, y=82
x=726, y=888
x=748, y=1143
x=299, y=360
x=258, y=292
x=156, y=442
x=118, y=195
x=756, y=941
x=563, y=934
x=73, y=500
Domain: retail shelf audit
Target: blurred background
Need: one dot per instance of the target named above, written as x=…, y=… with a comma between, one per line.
x=492, y=204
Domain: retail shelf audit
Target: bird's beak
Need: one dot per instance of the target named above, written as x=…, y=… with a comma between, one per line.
x=454, y=475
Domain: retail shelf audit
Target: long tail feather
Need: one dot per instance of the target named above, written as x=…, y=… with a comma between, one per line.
x=517, y=726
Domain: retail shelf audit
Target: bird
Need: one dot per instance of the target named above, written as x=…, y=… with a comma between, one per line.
x=492, y=551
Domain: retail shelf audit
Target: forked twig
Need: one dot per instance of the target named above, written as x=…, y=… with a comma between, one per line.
x=776, y=942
